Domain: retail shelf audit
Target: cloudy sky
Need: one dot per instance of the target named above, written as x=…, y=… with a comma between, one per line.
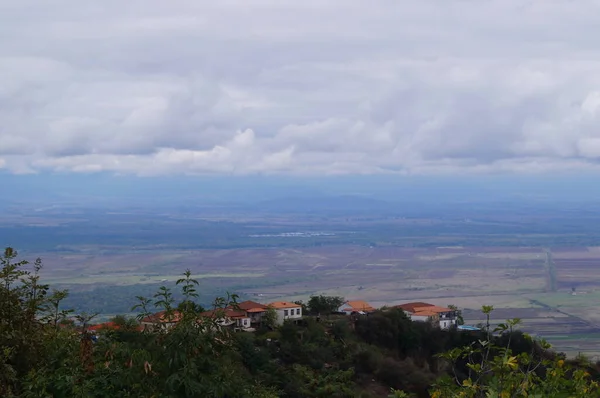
x=312, y=87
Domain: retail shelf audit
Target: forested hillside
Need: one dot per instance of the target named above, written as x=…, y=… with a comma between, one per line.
x=48, y=351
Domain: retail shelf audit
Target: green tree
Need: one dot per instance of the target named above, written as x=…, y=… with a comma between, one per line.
x=22, y=298
x=324, y=305
x=124, y=322
x=494, y=370
x=196, y=357
x=269, y=319
x=45, y=352
x=188, y=306
x=459, y=318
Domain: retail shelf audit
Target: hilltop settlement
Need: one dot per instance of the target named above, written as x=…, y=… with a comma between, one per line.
x=250, y=315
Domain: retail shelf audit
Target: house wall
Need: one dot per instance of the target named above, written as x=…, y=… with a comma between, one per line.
x=256, y=317
x=446, y=323
x=235, y=322
x=444, y=320
x=341, y=309
x=447, y=320
x=288, y=313
x=150, y=326
x=347, y=306
x=244, y=322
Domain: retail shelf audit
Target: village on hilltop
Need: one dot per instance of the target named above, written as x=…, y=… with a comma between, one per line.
x=249, y=315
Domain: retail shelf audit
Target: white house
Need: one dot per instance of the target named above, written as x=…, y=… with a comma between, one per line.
x=286, y=311
x=235, y=319
x=255, y=311
x=356, y=306
x=227, y=317
x=443, y=317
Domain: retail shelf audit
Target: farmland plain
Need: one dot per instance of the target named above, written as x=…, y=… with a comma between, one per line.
x=514, y=280
x=527, y=260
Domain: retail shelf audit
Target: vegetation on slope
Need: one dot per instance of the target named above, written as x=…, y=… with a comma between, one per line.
x=42, y=354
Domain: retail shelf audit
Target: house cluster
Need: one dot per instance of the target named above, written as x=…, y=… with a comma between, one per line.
x=248, y=315
x=443, y=317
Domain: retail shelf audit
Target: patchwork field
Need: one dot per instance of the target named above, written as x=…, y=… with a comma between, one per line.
x=517, y=281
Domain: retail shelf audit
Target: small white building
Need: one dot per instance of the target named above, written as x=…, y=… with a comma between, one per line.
x=286, y=311
x=255, y=311
x=356, y=306
x=443, y=317
x=229, y=318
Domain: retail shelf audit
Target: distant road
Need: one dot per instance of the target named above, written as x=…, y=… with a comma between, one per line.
x=551, y=283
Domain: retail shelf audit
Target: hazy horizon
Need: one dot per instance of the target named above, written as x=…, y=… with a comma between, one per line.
x=226, y=189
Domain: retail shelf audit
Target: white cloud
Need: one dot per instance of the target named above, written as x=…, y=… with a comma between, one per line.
x=313, y=87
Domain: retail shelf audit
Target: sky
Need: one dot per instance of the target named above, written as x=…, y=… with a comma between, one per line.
x=299, y=88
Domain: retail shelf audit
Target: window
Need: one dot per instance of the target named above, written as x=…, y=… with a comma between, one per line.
x=285, y=312
x=298, y=311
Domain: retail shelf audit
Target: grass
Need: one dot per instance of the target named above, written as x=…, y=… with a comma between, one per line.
x=565, y=299
x=576, y=337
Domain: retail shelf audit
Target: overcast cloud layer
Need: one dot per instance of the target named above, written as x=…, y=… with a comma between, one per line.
x=338, y=86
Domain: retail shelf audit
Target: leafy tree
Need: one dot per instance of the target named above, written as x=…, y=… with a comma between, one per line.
x=124, y=322
x=459, y=318
x=306, y=382
x=55, y=314
x=269, y=319
x=398, y=394
x=22, y=298
x=45, y=351
x=495, y=370
x=324, y=304
x=305, y=309
x=188, y=306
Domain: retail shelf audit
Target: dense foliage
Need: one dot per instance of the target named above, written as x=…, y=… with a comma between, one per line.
x=47, y=351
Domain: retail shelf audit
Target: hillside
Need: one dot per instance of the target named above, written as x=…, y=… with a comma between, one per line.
x=47, y=351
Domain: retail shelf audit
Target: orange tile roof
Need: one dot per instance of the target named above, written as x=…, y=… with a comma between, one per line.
x=425, y=313
x=106, y=325
x=284, y=304
x=358, y=305
x=229, y=313
x=161, y=317
x=410, y=307
x=433, y=308
x=249, y=304
x=254, y=310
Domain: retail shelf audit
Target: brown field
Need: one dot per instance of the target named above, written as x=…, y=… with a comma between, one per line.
x=514, y=280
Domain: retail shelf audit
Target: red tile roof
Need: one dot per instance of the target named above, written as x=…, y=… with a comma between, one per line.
x=433, y=308
x=248, y=305
x=425, y=313
x=419, y=308
x=254, y=310
x=284, y=304
x=229, y=313
x=106, y=325
x=358, y=305
x=410, y=307
x=161, y=317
